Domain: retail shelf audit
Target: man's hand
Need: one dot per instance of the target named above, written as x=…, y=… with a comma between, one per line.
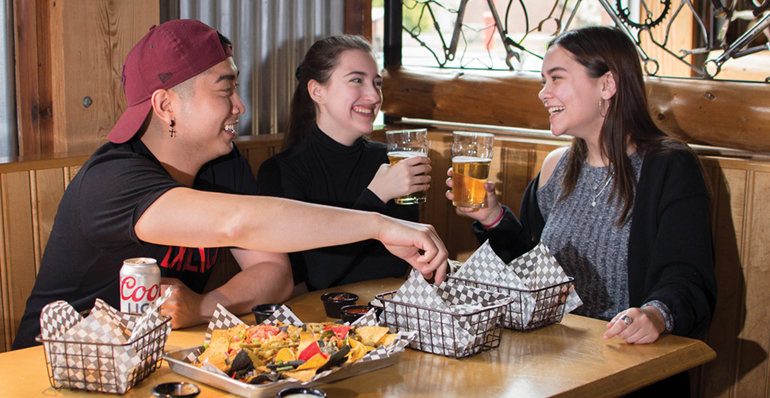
x=417, y=244
x=183, y=306
x=405, y=177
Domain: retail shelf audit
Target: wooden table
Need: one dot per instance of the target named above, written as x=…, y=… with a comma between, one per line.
x=568, y=359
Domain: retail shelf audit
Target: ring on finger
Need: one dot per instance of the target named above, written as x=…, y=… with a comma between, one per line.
x=627, y=319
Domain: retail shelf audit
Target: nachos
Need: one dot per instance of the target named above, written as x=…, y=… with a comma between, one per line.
x=266, y=353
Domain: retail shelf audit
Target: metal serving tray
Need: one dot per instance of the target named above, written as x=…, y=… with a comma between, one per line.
x=176, y=361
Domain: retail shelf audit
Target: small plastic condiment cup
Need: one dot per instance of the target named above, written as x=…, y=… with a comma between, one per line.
x=350, y=313
x=378, y=308
x=333, y=302
x=176, y=389
x=300, y=393
x=263, y=311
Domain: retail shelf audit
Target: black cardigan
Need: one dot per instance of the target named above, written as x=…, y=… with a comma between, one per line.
x=670, y=251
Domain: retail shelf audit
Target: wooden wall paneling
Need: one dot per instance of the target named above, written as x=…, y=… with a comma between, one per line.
x=729, y=193
x=258, y=155
x=27, y=98
x=69, y=174
x=92, y=39
x=755, y=336
x=436, y=209
x=358, y=18
x=50, y=186
x=516, y=174
x=19, y=249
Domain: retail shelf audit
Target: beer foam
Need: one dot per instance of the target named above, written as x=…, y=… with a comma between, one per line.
x=469, y=159
x=406, y=154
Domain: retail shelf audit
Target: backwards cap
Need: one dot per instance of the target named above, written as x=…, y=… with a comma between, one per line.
x=169, y=54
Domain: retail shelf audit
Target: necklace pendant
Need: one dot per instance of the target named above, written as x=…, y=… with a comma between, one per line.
x=593, y=204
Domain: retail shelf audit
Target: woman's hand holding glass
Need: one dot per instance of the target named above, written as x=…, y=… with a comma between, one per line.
x=487, y=214
x=407, y=176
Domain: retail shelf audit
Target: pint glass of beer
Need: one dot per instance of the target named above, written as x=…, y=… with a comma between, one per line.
x=471, y=160
x=403, y=144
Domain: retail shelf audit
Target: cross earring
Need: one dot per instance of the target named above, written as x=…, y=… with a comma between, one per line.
x=172, y=131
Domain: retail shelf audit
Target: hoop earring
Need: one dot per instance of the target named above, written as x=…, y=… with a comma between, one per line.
x=172, y=131
x=601, y=108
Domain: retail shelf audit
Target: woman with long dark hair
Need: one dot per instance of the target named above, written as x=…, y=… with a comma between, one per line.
x=624, y=208
x=327, y=160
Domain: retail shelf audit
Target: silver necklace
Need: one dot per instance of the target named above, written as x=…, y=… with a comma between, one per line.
x=596, y=196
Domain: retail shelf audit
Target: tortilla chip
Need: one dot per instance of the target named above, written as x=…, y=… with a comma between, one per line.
x=309, y=352
x=315, y=362
x=357, y=351
x=305, y=339
x=285, y=355
x=387, y=339
x=235, y=331
x=370, y=335
x=216, y=353
x=301, y=375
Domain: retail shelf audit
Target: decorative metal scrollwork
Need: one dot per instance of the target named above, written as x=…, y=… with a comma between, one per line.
x=648, y=19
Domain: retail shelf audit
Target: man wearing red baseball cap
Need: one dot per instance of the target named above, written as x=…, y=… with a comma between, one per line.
x=171, y=185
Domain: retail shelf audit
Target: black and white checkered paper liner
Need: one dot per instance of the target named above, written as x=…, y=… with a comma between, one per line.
x=111, y=366
x=457, y=316
x=224, y=319
x=533, y=270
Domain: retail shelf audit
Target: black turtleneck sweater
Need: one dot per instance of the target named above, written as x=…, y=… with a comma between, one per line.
x=323, y=171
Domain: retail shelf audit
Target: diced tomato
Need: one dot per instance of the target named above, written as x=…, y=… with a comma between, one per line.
x=263, y=332
x=341, y=331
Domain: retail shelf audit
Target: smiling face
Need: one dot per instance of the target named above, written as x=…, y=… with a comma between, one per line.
x=571, y=96
x=207, y=116
x=350, y=100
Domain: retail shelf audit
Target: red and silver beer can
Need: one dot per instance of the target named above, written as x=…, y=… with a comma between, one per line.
x=139, y=284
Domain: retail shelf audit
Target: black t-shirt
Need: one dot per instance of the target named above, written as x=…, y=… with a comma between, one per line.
x=93, y=231
x=322, y=171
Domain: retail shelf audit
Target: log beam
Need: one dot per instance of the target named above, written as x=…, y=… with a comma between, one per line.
x=726, y=114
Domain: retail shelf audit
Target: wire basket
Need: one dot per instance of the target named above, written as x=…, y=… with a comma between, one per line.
x=530, y=309
x=92, y=366
x=438, y=331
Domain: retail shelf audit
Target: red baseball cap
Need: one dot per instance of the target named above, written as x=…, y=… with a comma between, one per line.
x=169, y=54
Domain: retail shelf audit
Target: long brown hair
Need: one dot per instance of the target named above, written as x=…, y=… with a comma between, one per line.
x=319, y=63
x=603, y=49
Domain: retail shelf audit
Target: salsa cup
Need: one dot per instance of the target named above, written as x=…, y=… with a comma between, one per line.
x=263, y=311
x=334, y=301
x=350, y=313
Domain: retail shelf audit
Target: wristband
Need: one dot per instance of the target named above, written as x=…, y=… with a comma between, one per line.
x=500, y=217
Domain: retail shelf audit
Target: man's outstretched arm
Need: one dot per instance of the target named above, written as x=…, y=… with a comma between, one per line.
x=187, y=217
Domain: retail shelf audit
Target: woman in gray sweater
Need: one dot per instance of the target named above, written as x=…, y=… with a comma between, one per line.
x=624, y=208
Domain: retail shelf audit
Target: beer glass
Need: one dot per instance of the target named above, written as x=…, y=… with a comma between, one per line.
x=404, y=144
x=471, y=161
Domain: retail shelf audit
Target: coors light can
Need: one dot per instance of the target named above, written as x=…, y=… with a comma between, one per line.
x=139, y=284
